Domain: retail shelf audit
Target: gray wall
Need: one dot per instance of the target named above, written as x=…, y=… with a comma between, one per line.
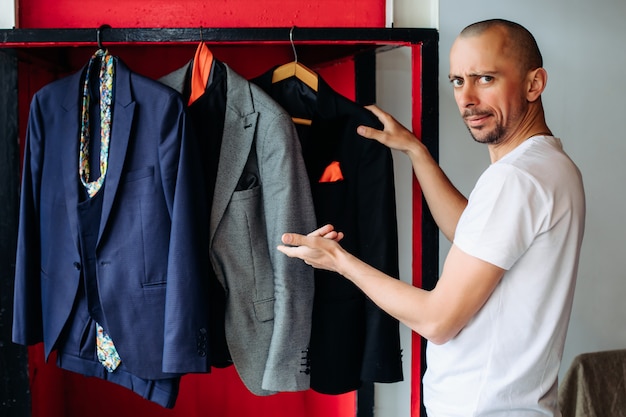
x=582, y=43
x=585, y=101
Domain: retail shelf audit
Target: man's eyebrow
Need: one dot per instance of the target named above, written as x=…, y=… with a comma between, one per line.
x=472, y=75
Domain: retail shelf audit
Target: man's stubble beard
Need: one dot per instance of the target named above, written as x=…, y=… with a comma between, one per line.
x=497, y=134
x=490, y=138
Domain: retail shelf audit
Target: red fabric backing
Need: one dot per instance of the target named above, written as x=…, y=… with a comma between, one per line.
x=59, y=393
x=195, y=13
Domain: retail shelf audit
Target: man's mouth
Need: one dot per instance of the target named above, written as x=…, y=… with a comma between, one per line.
x=476, y=120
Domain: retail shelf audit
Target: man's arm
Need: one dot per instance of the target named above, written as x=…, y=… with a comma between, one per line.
x=438, y=315
x=446, y=203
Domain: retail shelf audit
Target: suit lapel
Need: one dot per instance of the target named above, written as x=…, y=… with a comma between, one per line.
x=123, y=111
x=70, y=139
x=239, y=129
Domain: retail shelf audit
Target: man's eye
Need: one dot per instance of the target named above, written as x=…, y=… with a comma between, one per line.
x=485, y=79
x=456, y=82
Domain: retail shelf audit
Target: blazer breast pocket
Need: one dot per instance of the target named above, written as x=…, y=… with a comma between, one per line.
x=139, y=181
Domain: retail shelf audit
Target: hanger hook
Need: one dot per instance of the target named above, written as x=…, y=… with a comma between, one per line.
x=293, y=46
x=201, y=37
x=99, y=35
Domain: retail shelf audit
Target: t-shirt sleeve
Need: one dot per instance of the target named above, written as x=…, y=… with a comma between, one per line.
x=505, y=212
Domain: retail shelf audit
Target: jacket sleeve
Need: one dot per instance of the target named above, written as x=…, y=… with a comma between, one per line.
x=378, y=246
x=288, y=206
x=186, y=307
x=27, y=317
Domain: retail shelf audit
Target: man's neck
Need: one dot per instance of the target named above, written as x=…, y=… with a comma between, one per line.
x=497, y=152
x=535, y=126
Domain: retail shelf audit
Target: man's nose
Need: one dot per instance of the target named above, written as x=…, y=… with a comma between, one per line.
x=466, y=96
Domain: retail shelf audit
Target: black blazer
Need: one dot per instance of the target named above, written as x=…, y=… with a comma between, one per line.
x=352, y=339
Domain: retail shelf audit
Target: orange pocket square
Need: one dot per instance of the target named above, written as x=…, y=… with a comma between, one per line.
x=332, y=173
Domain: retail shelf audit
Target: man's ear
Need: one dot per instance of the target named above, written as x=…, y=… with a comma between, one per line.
x=536, y=82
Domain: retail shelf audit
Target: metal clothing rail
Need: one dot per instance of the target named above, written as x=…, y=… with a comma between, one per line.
x=73, y=36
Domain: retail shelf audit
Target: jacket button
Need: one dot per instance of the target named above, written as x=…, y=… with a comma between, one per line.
x=77, y=266
x=201, y=342
x=201, y=335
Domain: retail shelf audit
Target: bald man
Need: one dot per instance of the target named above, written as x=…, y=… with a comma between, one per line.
x=497, y=319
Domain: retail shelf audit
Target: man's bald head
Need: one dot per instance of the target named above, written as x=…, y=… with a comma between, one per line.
x=520, y=43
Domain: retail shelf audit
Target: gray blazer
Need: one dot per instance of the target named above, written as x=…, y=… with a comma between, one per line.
x=269, y=297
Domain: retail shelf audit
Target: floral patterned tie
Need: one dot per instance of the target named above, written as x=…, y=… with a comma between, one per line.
x=106, y=95
x=105, y=349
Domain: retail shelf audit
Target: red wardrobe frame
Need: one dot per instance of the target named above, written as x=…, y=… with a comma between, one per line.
x=44, y=54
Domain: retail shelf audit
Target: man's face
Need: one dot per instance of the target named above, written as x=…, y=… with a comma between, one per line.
x=488, y=86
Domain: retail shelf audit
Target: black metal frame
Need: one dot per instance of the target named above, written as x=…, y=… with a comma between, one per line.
x=14, y=388
x=31, y=37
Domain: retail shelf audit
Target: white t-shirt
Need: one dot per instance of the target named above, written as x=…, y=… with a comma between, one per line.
x=526, y=215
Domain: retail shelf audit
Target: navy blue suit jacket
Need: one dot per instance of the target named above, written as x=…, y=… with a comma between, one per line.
x=151, y=250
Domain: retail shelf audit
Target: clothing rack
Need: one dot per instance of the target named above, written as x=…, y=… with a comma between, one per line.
x=316, y=45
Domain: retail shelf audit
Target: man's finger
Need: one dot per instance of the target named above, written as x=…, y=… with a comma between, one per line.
x=327, y=228
x=369, y=132
x=376, y=110
x=287, y=250
x=334, y=235
x=292, y=239
x=385, y=118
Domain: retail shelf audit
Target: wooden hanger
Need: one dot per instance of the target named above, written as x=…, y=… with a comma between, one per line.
x=295, y=69
x=298, y=70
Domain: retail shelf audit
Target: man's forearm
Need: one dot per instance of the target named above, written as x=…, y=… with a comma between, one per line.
x=445, y=202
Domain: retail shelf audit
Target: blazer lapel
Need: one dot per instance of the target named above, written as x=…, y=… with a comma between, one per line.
x=70, y=114
x=239, y=129
x=123, y=111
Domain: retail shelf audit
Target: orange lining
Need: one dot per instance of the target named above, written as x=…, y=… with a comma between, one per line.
x=202, y=61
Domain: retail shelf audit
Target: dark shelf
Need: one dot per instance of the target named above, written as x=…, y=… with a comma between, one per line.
x=372, y=36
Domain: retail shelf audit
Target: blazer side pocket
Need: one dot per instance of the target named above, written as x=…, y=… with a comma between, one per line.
x=264, y=309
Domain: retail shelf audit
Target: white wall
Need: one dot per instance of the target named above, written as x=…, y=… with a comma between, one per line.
x=7, y=14
x=585, y=103
x=393, y=76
